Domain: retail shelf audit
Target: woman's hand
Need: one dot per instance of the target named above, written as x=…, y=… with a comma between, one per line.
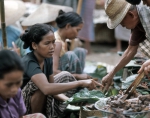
x=82, y=76
x=145, y=67
x=15, y=48
x=90, y=84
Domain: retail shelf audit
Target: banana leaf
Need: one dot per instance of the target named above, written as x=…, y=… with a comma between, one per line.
x=99, y=72
x=128, y=81
x=85, y=96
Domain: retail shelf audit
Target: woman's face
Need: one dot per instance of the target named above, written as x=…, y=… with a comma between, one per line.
x=72, y=32
x=46, y=46
x=10, y=84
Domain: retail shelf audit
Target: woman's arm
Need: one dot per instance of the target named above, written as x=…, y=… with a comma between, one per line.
x=47, y=88
x=56, y=56
x=60, y=97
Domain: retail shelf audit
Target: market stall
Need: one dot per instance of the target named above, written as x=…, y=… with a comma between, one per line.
x=99, y=104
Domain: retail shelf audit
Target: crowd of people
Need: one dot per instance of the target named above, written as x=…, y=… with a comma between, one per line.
x=42, y=72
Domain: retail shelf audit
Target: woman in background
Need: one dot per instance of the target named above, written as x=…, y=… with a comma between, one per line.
x=69, y=24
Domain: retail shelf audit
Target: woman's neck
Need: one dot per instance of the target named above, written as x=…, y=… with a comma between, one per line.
x=62, y=34
x=38, y=57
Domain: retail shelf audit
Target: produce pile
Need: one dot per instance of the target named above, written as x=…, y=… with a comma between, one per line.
x=140, y=104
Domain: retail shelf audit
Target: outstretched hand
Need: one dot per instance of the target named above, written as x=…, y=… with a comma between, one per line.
x=90, y=84
x=145, y=67
x=106, y=82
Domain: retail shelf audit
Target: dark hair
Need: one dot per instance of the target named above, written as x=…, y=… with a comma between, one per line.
x=35, y=34
x=9, y=61
x=134, y=2
x=71, y=18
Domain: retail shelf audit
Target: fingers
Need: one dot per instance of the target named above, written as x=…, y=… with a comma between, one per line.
x=145, y=67
x=89, y=77
x=146, y=70
x=14, y=46
x=141, y=69
x=103, y=82
x=94, y=85
x=17, y=50
x=96, y=79
x=97, y=83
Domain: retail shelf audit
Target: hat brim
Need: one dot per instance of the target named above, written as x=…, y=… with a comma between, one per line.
x=113, y=23
x=14, y=10
x=44, y=14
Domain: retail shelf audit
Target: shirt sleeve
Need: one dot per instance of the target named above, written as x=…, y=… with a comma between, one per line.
x=22, y=108
x=32, y=69
x=137, y=36
x=51, y=67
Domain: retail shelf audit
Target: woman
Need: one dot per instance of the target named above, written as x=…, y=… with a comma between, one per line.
x=39, y=87
x=11, y=101
x=69, y=25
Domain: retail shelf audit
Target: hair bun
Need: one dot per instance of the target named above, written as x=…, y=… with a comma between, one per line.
x=61, y=12
x=25, y=39
x=26, y=30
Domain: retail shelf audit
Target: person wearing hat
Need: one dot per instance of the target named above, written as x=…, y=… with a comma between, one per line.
x=45, y=13
x=136, y=2
x=132, y=17
x=13, y=11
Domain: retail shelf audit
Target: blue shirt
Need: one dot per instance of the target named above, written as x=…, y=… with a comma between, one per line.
x=12, y=33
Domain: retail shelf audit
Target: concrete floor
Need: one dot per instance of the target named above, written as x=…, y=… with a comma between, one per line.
x=102, y=53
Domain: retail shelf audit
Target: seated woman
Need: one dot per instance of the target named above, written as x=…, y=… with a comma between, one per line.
x=39, y=87
x=69, y=25
x=11, y=101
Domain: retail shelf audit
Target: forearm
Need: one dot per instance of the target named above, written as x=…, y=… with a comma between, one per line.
x=61, y=97
x=127, y=56
x=76, y=76
x=58, y=88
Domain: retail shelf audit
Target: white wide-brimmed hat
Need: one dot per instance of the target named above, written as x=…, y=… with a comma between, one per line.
x=44, y=14
x=116, y=11
x=14, y=10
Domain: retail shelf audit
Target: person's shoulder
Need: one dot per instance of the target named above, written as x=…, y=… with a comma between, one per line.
x=28, y=60
x=57, y=36
x=29, y=56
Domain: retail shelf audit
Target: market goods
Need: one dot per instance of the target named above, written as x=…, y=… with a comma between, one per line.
x=139, y=104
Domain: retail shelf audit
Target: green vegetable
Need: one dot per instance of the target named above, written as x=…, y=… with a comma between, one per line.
x=85, y=95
